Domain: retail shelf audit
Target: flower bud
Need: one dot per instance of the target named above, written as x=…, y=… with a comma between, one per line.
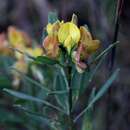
x=16, y=37
x=51, y=46
x=21, y=66
x=52, y=29
x=90, y=45
x=35, y=52
x=85, y=48
x=69, y=35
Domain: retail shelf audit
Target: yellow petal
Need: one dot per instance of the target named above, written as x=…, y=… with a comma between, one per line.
x=85, y=34
x=63, y=33
x=15, y=36
x=69, y=29
x=21, y=66
x=49, y=28
x=51, y=46
x=22, y=49
x=69, y=43
x=52, y=29
x=74, y=32
x=37, y=52
x=92, y=46
x=34, y=52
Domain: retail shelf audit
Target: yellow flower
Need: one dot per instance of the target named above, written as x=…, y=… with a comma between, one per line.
x=85, y=48
x=51, y=46
x=69, y=35
x=86, y=39
x=20, y=66
x=85, y=34
x=34, y=52
x=4, y=50
x=21, y=48
x=52, y=29
x=16, y=37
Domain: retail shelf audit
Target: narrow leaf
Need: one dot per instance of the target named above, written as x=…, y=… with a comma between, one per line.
x=31, y=98
x=96, y=69
x=41, y=116
x=32, y=81
x=35, y=116
x=100, y=93
x=21, y=52
x=45, y=60
x=61, y=84
x=76, y=82
x=88, y=116
x=52, y=17
x=104, y=52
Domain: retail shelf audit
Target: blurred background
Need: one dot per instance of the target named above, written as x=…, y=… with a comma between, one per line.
x=113, y=111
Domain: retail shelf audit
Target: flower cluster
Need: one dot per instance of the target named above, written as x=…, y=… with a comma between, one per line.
x=18, y=40
x=77, y=41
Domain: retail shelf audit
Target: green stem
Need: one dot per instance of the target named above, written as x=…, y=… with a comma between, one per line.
x=116, y=30
x=112, y=60
x=70, y=100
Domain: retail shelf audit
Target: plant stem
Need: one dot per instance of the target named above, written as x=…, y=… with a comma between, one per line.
x=112, y=60
x=116, y=31
x=70, y=117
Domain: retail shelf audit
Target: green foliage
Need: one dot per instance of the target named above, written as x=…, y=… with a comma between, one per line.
x=51, y=101
x=30, y=98
x=88, y=116
x=61, y=84
x=4, y=82
x=52, y=17
x=100, y=93
x=45, y=60
x=47, y=101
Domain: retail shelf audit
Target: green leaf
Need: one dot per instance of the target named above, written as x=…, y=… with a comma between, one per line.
x=87, y=121
x=44, y=34
x=52, y=17
x=76, y=83
x=88, y=116
x=74, y=19
x=31, y=98
x=87, y=76
x=79, y=84
x=45, y=60
x=20, y=101
x=81, y=81
x=41, y=86
x=61, y=84
x=8, y=116
x=4, y=82
x=84, y=81
x=100, y=93
x=92, y=95
x=6, y=61
x=92, y=74
x=23, y=53
x=104, y=52
x=44, y=119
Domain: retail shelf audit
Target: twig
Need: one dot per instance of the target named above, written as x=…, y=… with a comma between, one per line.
x=112, y=59
x=21, y=52
x=116, y=31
